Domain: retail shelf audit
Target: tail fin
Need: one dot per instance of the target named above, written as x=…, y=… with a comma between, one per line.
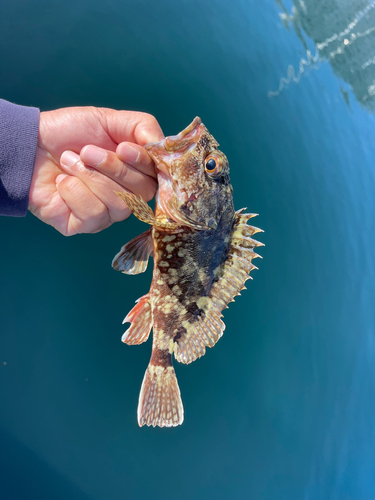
x=160, y=399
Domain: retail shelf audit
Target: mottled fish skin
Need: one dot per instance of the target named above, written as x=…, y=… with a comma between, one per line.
x=202, y=251
x=187, y=264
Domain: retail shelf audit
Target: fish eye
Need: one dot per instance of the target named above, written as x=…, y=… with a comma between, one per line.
x=213, y=164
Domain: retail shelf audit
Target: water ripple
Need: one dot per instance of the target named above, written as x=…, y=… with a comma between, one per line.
x=311, y=61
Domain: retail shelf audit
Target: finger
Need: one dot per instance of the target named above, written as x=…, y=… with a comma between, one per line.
x=104, y=188
x=133, y=155
x=137, y=157
x=110, y=166
x=132, y=126
x=89, y=214
x=101, y=186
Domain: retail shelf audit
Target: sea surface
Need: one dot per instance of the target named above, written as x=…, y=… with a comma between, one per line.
x=283, y=408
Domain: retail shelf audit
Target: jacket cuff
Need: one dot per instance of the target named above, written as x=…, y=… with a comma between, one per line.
x=19, y=126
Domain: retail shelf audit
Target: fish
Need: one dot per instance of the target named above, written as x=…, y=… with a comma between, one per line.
x=202, y=251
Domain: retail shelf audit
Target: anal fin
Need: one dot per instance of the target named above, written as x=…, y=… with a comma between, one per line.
x=141, y=322
x=133, y=257
x=200, y=333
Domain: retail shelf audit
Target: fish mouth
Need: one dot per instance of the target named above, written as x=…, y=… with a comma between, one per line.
x=165, y=153
x=173, y=146
x=187, y=137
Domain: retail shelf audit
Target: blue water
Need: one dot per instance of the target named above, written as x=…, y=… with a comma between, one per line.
x=284, y=406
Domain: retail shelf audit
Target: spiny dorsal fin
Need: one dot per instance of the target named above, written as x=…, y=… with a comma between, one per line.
x=141, y=322
x=133, y=257
x=206, y=329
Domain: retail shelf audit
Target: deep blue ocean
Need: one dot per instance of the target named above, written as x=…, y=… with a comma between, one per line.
x=283, y=408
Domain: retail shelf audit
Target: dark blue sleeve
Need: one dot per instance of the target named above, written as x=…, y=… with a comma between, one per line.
x=18, y=142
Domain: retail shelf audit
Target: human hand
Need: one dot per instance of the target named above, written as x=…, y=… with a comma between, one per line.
x=74, y=190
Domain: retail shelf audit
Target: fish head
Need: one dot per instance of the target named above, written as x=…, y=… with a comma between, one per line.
x=193, y=176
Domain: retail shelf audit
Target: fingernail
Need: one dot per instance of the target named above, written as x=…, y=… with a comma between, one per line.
x=68, y=158
x=93, y=156
x=128, y=153
x=59, y=178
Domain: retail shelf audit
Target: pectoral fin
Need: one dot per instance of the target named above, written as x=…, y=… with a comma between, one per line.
x=144, y=212
x=133, y=257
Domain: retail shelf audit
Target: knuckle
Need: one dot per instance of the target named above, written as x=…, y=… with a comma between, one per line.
x=92, y=109
x=97, y=221
x=150, y=120
x=121, y=171
x=73, y=185
x=119, y=215
x=100, y=113
x=103, y=222
x=98, y=213
x=92, y=174
x=70, y=183
x=65, y=231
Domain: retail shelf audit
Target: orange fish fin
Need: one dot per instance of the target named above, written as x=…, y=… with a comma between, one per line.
x=160, y=398
x=138, y=206
x=205, y=329
x=144, y=212
x=133, y=257
x=141, y=322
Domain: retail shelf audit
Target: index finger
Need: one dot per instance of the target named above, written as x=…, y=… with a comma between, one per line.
x=109, y=163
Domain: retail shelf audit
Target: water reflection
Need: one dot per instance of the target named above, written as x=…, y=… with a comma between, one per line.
x=344, y=35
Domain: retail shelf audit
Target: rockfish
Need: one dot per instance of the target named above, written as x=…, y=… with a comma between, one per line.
x=202, y=251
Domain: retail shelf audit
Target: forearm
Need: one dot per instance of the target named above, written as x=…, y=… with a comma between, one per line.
x=18, y=143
